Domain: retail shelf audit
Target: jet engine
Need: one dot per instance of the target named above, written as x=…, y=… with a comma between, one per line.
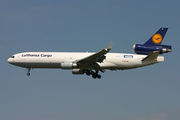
x=68, y=65
x=145, y=49
x=78, y=71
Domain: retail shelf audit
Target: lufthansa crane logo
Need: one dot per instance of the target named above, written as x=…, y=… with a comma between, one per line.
x=157, y=38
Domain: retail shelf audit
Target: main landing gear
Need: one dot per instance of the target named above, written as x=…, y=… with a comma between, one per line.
x=94, y=74
x=28, y=74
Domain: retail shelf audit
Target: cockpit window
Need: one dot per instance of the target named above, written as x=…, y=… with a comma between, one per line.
x=12, y=56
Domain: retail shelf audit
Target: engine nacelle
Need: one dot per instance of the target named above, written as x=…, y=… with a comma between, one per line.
x=78, y=71
x=144, y=49
x=68, y=65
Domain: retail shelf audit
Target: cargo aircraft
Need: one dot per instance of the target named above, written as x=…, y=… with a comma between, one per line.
x=90, y=63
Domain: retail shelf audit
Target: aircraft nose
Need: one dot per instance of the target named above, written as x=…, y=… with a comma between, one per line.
x=9, y=60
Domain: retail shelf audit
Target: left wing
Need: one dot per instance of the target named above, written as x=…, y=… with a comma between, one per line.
x=94, y=58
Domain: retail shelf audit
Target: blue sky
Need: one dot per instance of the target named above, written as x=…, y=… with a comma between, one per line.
x=148, y=93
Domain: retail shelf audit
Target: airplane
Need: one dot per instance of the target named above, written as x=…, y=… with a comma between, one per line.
x=90, y=63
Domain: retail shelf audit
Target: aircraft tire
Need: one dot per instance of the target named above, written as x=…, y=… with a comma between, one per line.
x=98, y=76
x=94, y=76
x=28, y=74
x=88, y=72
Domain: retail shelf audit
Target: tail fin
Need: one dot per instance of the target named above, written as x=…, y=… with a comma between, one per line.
x=157, y=38
x=153, y=44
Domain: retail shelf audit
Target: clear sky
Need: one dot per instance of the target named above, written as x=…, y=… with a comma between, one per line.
x=148, y=93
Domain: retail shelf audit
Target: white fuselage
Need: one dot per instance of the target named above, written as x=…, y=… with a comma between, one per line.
x=113, y=61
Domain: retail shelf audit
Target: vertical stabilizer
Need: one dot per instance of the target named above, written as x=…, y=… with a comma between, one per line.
x=157, y=38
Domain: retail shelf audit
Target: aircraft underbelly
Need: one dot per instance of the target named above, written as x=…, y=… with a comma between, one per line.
x=39, y=65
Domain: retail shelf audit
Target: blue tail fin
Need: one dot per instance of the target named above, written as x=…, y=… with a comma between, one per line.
x=157, y=38
x=153, y=44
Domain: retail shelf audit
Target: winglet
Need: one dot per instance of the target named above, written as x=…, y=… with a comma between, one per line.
x=110, y=45
x=151, y=56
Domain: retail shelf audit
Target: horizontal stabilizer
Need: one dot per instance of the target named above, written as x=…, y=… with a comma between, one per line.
x=151, y=56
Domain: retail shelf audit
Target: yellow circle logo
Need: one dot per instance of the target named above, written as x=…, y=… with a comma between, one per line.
x=157, y=38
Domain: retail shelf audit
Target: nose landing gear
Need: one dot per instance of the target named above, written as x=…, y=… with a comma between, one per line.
x=28, y=74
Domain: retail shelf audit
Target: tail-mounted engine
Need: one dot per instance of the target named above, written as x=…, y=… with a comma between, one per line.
x=147, y=49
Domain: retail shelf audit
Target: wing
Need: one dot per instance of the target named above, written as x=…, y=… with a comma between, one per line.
x=94, y=58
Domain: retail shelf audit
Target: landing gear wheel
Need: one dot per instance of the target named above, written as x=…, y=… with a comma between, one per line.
x=94, y=76
x=28, y=74
x=98, y=76
x=88, y=72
